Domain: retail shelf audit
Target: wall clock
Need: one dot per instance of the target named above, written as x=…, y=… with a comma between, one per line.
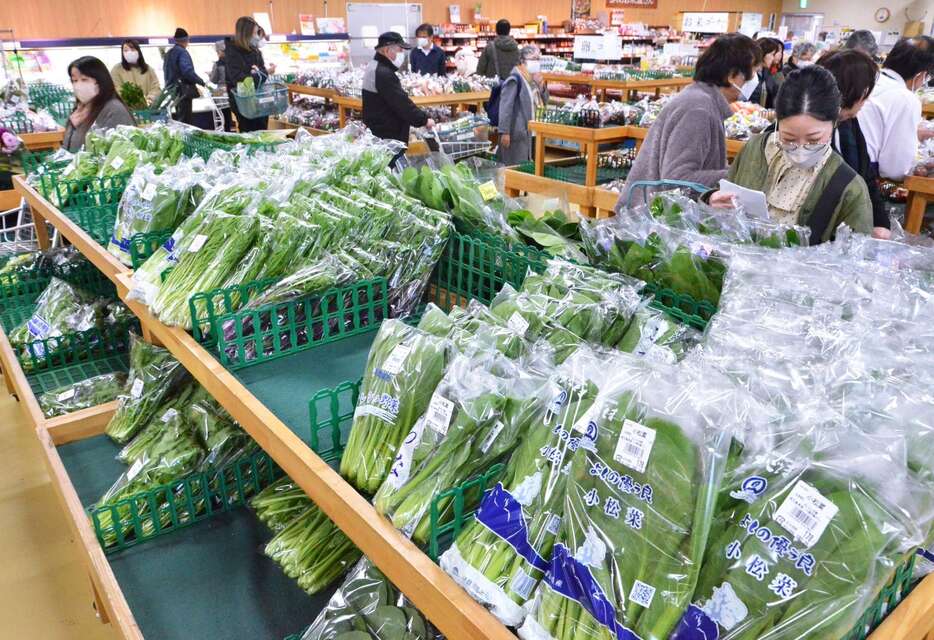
x=883, y=14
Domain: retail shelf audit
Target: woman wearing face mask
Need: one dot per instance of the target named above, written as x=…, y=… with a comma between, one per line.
x=133, y=69
x=802, y=55
x=805, y=182
x=521, y=94
x=97, y=105
x=244, y=60
x=687, y=140
x=765, y=92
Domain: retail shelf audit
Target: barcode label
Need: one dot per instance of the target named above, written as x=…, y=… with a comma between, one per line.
x=522, y=584
x=117, y=162
x=805, y=513
x=66, y=395
x=68, y=170
x=197, y=243
x=148, y=192
x=439, y=413
x=658, y=353
x=491, y=437
x=137, y=389
x=634, y=445
x=518, y=324
x=169, y=414
x=488, y=190
x=642, y=593
x=135, y=469
x=396, y=359
x=553, y=523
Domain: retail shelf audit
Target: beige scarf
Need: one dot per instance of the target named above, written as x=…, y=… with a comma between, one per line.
x=788, y=186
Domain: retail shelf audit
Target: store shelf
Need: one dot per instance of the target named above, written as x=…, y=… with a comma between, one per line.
x=457, y=101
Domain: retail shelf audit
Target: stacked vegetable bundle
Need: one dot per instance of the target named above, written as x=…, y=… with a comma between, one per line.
x=171, y=429
x=325, y=214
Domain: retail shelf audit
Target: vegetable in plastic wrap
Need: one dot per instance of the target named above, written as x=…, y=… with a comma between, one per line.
x=82, y=395
x=403, y=368
x=59, y=310
x=154, y=375
x=368, y=607
x=280, y=503
x=654, y=335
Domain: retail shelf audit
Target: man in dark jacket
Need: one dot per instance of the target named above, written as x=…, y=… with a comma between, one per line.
x=179, y=70
x=500, y=56
x=427, y=58
x=387, y=109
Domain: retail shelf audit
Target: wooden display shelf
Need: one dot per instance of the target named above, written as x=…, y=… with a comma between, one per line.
x=626, y=87
x=44, y=211
x=604, y=201
x=518, y=182
x=327, y=94
x=43, y=140
x=588, y=138
x=733, y=147
x=920, y=194
x=457, y=102
x=928, y=109
x=278, y=124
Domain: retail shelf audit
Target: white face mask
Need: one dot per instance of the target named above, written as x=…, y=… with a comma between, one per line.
x=399, y=60
x=534, y=66
x=131, y=56
x=85, y=90
x=745, y=91
x=423, y=43
x=805, y=158
x=805, y=63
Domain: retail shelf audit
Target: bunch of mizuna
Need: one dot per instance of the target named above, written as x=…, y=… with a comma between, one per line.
x=186, y=433
x=314, y=216
x=82, y=395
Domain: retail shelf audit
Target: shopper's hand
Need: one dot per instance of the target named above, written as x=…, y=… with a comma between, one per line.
x=254, y=69
x=722, y=200
x=430, y=124
x=925, y=132
x=881, y=233
x=504, y=141
x=271, y=67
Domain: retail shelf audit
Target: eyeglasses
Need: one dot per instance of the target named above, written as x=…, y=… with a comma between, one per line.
x=809, y=146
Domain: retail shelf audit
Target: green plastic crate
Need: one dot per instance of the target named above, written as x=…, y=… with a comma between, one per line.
x=98, y=222
x=898, y=587
x=17, y=123
x=143, y=245
x=74, y=348
x=148, y=116
x=197, y=145
x=182, y=503
x=681, y=306
x=273, y=331
x=206, y=307
x=464, y=500
x=68, y=193
x=36, y=161
x=575, y=173
x=61, y=109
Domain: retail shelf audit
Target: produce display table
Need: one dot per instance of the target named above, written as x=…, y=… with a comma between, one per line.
x=588, y=138
x=920, y=194
x=927, y=109
x=278, y=123
x=43, y=140
x=126, y=584
x=457, y=102
x=327, y=94
x=733, y=147
x=628, y=88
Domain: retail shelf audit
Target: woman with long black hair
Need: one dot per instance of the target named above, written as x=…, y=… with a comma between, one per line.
x=97, y=105
x=244, y=60
x=132, y=68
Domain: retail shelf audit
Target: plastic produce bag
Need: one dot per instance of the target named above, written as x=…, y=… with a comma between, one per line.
x=60, y=309
x=654, y=335
x=82, y=395
x=639, y=505
x=142, y=444
x=403, y=368
x=368, y=607
x=280, y=503
x=154, y=375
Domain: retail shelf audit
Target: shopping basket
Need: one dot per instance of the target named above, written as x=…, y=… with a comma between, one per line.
x=645, y=185
x=270, y=98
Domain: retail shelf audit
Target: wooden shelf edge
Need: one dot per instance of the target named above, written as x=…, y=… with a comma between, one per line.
x=913, y=618
x=79, y=425
x=16, y=382
x=449, y=607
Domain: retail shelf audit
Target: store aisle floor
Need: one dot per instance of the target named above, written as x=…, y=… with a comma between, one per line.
x=45, y=593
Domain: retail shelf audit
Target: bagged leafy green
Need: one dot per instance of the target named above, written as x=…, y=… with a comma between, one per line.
x=141, y=445
x=312, y=550
x=368, y=607
x=280, y=503
x=60, y=309
x=654, y=335
x=476, y=415
x=154, y=376
x=403, y=368
x=639, y=505
x=500, y=557
x=82, y=395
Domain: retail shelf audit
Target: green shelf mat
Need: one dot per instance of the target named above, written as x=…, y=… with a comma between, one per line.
x=209, y=580
x=11, y=316
x=284, y=385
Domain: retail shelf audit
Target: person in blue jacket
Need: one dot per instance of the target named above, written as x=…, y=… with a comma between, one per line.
x=179, y=71
x=427, y=57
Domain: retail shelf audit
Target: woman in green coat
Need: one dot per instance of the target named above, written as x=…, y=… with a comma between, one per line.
x=804, y=180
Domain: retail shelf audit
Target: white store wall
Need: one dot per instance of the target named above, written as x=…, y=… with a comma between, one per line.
x=860, y=14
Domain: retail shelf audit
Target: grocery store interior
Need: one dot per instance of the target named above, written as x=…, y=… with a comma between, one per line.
x=567, y=320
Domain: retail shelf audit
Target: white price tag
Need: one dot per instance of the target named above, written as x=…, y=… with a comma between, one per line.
x=137, y=389
x=68, y=170
x=117, y=162
x=658, y=353
x=642, y=593
x=148, y=192
x=265, y=99
x=135, y=469
x=439, y=413
x=634, y=445
x=553, y=524
x=522, y=584
x=518, y=324
x=169, y=414
x=197, y=242
x=66, y=395
x=491, y=437
x=396, y=359
x=805, y=513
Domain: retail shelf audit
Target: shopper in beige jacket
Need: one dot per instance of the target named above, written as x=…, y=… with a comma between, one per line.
x=133, y=68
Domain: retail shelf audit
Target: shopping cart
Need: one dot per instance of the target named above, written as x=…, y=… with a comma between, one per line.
x=455, y=149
